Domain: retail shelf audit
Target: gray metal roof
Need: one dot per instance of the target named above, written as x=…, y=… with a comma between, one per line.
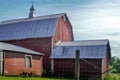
x=32, y=19
x=83, y=42
x=10, y=47
x=37, y=27
x=88, y=49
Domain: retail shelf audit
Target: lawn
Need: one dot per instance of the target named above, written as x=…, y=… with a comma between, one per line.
x=109, y=77
x=32, y=78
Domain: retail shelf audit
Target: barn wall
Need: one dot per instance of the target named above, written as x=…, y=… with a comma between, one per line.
x=66, y=67
x=63, y=31
x=90, y=70
x=37, y=44
x=105, y=66
x=14, y=63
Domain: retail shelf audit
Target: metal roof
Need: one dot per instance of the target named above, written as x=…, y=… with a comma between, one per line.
x=32, y=19
x=88, y=49
x=83, y=42
x=10, y=47
x=37, y=27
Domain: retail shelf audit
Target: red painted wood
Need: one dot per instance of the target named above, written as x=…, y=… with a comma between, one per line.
x=67, y=66
x=63, y=31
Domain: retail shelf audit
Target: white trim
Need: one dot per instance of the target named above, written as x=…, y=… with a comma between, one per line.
x=30, y=61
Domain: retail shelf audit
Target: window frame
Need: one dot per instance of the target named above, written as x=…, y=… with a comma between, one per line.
x=30, y=61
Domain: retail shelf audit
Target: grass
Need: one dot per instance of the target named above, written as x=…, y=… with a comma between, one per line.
x=32, y=78
x=109, y=77
x=113, y=77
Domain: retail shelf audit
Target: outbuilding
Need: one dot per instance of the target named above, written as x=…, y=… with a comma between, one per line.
x=15, y=60
x=94, y=57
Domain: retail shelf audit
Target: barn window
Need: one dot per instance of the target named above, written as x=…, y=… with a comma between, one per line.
x=28, y=59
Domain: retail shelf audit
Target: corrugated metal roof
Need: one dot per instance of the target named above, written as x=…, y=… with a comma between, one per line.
x=88, y=49
x=37, y=27
x=30, y=29
x=10, y=47
x=83, y=42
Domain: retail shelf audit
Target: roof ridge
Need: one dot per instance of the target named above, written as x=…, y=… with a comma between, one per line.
x=85, y=40
x=84, y=43
x=96, y=40
x=93, y=40
x=31, y=19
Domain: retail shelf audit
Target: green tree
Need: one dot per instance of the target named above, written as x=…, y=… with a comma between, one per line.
x=116, y=65
x=113, y=60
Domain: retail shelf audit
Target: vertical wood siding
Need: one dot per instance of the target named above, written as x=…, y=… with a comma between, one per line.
x=63, y=31
x=66, y=67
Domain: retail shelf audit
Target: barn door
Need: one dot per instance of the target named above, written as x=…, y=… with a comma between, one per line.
x=1, y=62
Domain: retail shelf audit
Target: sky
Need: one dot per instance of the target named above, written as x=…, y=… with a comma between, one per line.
x=90, y=19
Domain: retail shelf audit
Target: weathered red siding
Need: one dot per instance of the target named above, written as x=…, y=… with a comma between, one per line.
x=66, y=67
x=105, y=66
x=63, y=31
x=14, y=63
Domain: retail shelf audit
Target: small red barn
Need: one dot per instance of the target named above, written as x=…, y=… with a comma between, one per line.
x=15, y=60
x=37, y=33
x=94, y=57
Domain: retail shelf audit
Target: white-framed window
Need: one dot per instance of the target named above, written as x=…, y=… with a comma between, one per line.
x=28, y=61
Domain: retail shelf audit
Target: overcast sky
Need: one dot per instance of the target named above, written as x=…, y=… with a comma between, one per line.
x=91, y=19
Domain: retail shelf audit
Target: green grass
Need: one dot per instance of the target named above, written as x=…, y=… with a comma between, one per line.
x=113, y=77
x=109, y=77
x=32, y=78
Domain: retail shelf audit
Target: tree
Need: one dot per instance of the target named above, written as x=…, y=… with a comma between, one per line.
x=113, y=60
x=116, y=65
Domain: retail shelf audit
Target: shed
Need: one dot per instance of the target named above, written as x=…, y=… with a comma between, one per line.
x=15, y=60
x=94, y=57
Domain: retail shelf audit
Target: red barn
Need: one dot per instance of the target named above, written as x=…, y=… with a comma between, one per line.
x=37, y=33
x=94, y=57
x=15, y=60
x=41, y=33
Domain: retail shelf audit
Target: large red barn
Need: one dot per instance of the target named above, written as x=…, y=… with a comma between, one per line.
x=41, y=34
x=37, y=33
